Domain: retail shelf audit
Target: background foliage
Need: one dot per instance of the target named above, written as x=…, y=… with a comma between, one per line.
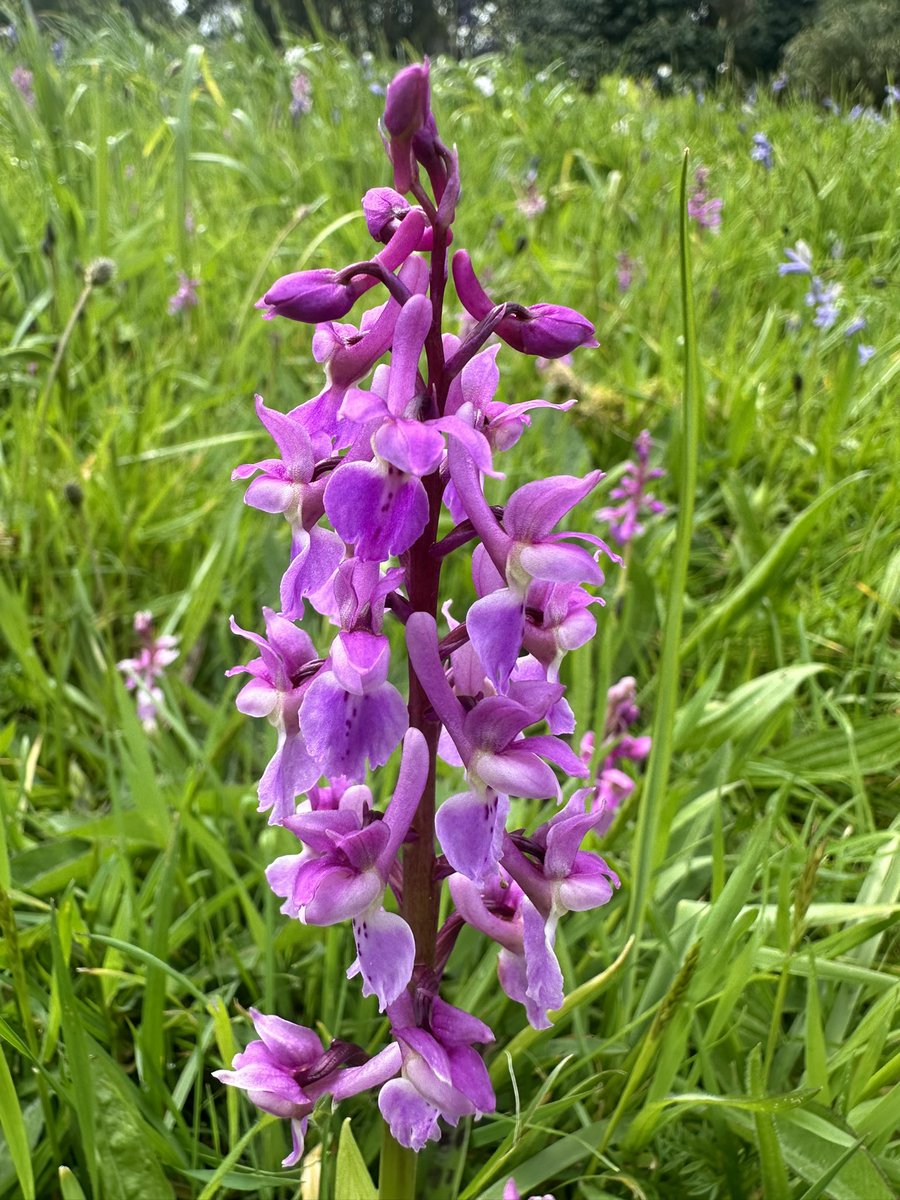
x=842, y=45
x=747, y=1042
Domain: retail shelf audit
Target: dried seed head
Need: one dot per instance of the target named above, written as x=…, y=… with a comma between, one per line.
x=74, y=494
x=100, y=272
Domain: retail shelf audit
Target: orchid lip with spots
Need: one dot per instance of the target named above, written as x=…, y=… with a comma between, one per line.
x=381, y=477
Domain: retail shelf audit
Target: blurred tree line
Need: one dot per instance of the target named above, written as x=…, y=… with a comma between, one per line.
x=829, y=46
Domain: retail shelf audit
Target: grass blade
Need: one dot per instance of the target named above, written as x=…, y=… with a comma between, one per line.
x=650, y=834
x=13, y=1126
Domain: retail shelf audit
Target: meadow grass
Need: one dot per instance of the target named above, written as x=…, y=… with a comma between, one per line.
x=732, y=1022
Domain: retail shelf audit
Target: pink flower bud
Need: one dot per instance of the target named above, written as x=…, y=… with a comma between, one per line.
x=547, y=330
x=406, y=110
x=407, y=101
x=309, y=296
x=383, y=209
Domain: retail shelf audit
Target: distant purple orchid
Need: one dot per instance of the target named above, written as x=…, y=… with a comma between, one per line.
x=706, y=210
x=531, y=203
x=613, y=785
x=624, y=518
x=625, y=268
x=23, y=81
x=185, y=296
x=143, y=672
x=301, y=96
x=364, y=472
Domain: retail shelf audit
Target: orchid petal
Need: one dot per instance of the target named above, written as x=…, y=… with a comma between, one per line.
x=496, y=626
x=343, y=730
x=380, y=511
x=411, y=1119
x=470, y=828
x=353, y=1080
x=386, y=952
x=537, y=507
x=291, y=438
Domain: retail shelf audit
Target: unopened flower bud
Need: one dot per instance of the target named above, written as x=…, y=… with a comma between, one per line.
x=431, y=154
x=407, y=100
x=383, y=209
x=547, y=330
x=406, y=110
x=309, y=296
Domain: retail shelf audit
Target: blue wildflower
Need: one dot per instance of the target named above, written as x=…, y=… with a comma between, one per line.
x=825, y=301
x=799, y=261
x=761, y=151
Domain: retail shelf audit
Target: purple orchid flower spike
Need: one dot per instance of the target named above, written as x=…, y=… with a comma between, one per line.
x=141, y=674
x=547, y=330
x=410, y=419
x=623, y=519
x=621, y=707
x=613, y=785
x=344, y=870
x=441, y=1075
x=280, y=676
x=287, y=1071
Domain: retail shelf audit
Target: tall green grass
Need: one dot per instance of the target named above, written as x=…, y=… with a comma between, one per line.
x=732, y=1026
